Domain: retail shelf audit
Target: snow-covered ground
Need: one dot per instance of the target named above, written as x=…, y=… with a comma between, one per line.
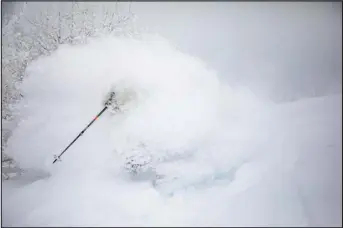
x=228, y=158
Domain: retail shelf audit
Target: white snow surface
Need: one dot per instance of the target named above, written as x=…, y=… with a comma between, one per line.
x=229, y=159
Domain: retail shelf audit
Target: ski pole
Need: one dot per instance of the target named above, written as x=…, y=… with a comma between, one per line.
x=108, y=102
x=81, y=133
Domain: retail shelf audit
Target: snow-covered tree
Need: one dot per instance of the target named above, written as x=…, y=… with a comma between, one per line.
x=39, y=28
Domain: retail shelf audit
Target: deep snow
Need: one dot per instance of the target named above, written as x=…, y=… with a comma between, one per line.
x=228, y=157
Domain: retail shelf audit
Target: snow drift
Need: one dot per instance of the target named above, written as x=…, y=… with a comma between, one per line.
x=227, y=152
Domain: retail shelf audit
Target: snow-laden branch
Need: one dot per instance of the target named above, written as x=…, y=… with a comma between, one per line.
x=39, y=29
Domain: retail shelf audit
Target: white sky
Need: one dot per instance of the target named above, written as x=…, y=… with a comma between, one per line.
x=269, y=46
x=280, y=50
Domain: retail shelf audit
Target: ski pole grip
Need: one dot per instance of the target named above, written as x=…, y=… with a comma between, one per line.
x=110, y=99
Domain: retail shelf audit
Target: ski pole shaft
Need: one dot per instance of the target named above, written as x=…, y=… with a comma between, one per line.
x=81, y=133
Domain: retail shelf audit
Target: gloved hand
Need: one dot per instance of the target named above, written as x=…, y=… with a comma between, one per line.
x=111, y=101
x=120, y=99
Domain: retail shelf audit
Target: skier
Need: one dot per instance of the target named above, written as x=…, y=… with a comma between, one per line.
x=132, y=164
